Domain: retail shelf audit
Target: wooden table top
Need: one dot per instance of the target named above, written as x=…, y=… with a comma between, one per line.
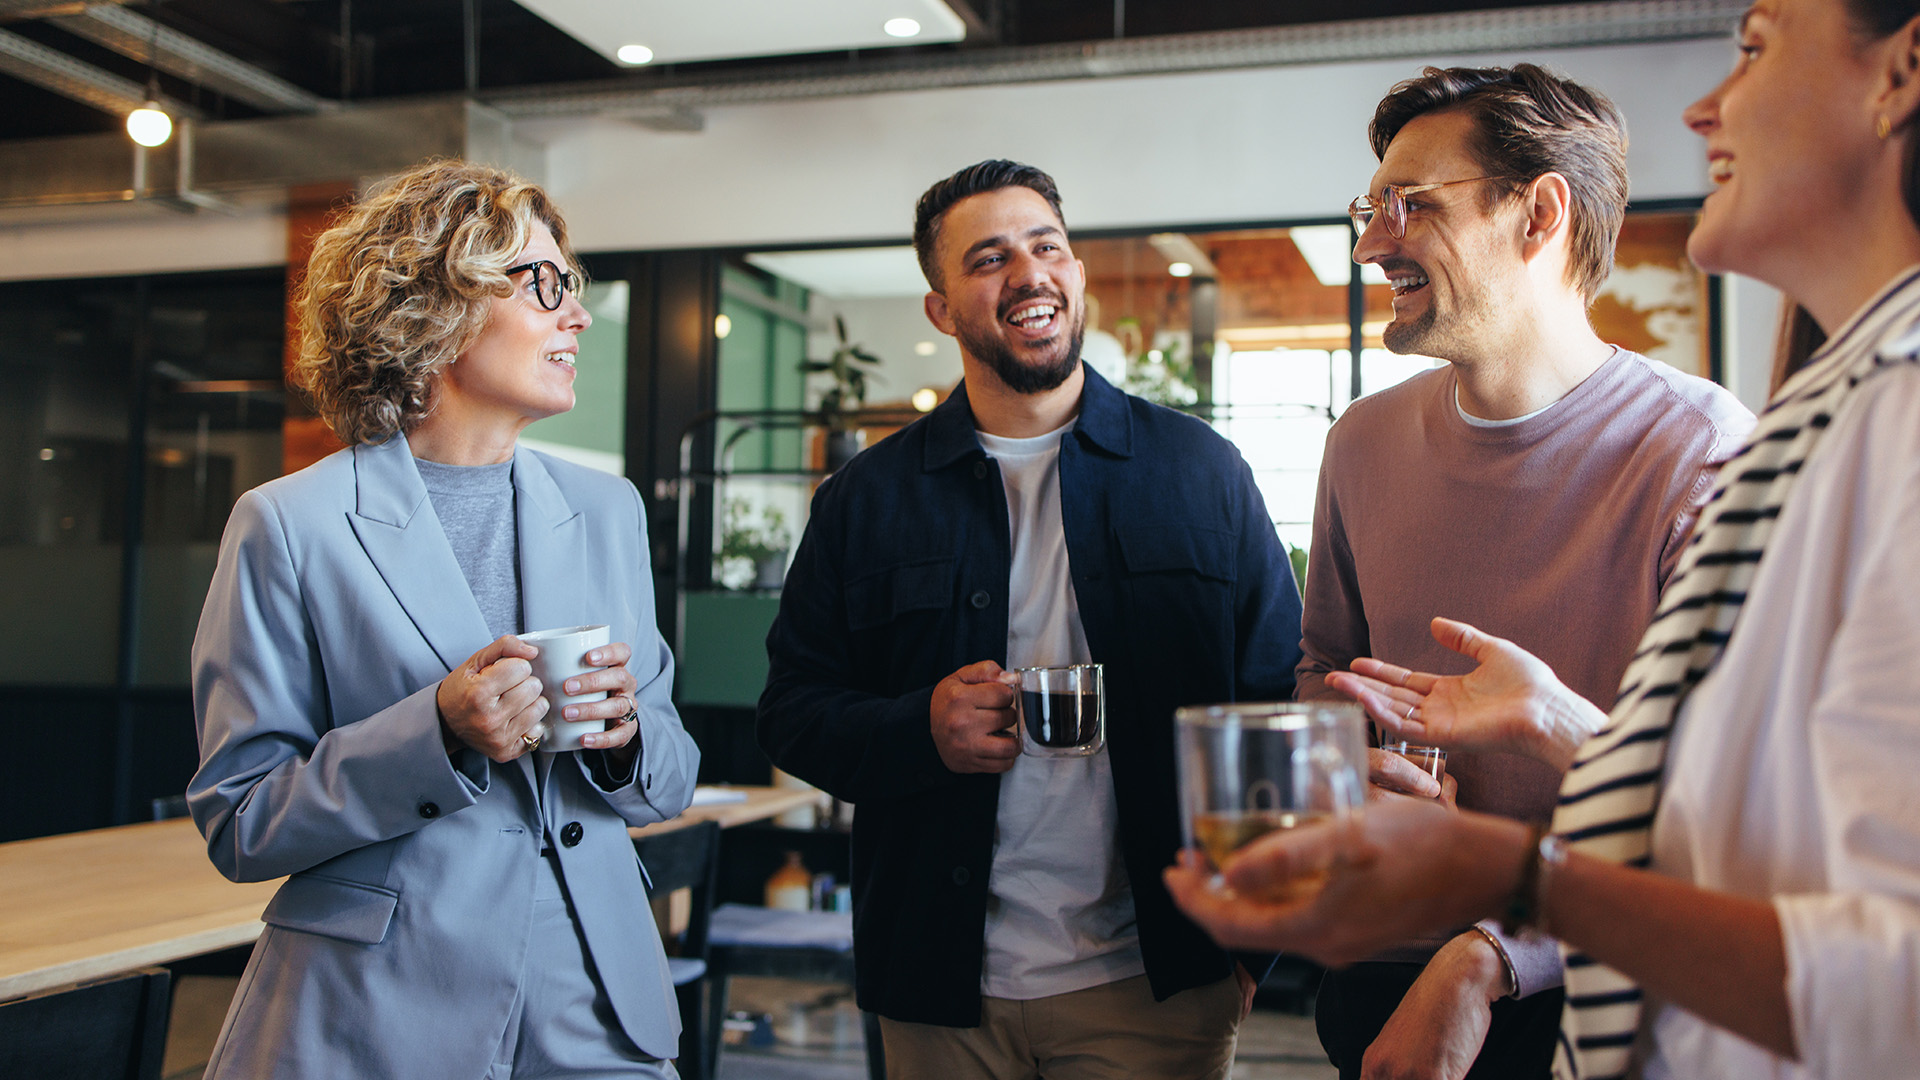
x=760, y=804
x=91, y=904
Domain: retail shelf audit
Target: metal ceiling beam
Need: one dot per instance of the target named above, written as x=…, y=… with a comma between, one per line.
x=137, y=37
x=1608, y=22
x=51, y=69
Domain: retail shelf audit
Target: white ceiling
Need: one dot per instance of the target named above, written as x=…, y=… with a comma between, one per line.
x=848, y=273
x=684, y=30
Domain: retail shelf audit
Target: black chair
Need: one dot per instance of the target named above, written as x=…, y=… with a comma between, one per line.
x=688, y=858
x=168, y=807
x=817, y=945
x=112, y=1029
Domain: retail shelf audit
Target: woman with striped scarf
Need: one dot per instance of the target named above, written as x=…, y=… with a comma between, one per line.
x=1734, y=869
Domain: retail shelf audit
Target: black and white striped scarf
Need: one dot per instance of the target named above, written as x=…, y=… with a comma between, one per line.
x=1608, y=799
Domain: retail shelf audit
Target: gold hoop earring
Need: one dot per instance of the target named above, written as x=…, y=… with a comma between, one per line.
x=1882, y=127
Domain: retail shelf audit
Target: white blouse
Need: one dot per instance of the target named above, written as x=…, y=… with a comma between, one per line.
x=1794, y=775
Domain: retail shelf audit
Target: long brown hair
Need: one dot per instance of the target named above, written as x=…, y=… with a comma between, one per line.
x=1800, y=337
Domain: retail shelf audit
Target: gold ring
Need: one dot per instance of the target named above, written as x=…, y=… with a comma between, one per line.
x=531, y=740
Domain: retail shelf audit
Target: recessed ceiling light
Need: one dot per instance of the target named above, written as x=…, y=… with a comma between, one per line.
x=902, y=28
x=722, y=326
x=634, y=54
x=148, y=125
x=925, y=398
x=925, y=348
x=1180, y=269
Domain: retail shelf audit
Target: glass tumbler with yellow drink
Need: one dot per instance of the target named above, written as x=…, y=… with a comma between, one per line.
x=1253, y=768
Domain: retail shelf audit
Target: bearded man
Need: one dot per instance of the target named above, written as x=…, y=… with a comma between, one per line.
x=1009, y=916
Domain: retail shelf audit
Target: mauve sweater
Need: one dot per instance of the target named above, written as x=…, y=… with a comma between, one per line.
x=1557, y=532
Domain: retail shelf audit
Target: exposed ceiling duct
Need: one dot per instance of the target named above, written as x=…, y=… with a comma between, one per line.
x=139, y=38
x=349, y=142
x=1611, y=22
x=51, y=69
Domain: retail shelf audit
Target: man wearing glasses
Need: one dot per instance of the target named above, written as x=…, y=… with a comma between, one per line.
x=1540, y=486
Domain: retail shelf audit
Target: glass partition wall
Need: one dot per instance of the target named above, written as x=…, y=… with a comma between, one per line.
x=1253, y=328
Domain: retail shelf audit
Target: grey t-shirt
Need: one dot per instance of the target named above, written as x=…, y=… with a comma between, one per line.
x=475, y=507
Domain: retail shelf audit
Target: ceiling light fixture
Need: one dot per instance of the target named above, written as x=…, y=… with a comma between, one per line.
x=149, y=125
x=925, y=348
x=722, y=326
x=1180, y=269
x=902, y=28
x=925, y=398
x=634, y=55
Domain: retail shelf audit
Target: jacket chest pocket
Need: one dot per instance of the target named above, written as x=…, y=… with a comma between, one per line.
x=1177, y=594
x=1177, y=550
x=901, y=618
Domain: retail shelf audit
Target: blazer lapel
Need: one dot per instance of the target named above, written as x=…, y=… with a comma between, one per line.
x=553, y=551
x=402, y=536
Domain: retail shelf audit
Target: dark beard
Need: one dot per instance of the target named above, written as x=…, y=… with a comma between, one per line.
x=1025, y=378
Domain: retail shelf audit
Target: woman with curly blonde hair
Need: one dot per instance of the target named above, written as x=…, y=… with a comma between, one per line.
x=456, y=904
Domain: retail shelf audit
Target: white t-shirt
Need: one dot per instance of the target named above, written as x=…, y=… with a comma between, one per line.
x=1059, y=905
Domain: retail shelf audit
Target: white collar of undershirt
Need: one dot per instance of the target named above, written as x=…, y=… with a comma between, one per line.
x=1478, y=422
x=1003, y=446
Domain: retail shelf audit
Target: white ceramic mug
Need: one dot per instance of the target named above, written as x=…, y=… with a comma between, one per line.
x=563, y=655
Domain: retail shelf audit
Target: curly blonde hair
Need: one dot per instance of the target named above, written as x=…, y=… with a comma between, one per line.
x=401, y=285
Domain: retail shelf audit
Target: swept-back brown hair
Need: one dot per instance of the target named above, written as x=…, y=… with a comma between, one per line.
x=402, y=284
x=1528, y=122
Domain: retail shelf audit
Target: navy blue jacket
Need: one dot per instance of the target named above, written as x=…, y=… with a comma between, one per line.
x=901, y=579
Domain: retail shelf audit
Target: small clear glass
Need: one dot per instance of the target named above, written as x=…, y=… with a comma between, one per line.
x=1250, y=769
x=1062, y=711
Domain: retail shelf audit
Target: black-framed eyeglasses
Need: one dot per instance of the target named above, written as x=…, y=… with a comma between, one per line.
x=1394, y=204
x=550, y=283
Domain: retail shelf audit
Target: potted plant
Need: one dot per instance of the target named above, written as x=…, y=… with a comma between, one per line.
x=842, y=401
x=753, y=547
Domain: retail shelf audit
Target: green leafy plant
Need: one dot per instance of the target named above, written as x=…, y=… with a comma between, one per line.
x=749, y=536
x=1161, y=376
x=841, y=403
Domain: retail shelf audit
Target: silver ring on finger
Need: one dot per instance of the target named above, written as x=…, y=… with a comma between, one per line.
x=1410, y=709
x=633, y=712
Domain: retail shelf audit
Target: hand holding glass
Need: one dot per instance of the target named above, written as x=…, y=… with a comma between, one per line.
x=1250, y=769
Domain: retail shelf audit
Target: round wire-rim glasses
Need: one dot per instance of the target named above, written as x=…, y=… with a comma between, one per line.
x=550, y=283
x=1394, y=196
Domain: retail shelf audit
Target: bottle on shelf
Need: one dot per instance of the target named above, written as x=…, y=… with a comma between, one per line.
x=791, y=887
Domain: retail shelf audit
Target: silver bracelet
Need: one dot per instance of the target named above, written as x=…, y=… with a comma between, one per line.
x=1506, y=962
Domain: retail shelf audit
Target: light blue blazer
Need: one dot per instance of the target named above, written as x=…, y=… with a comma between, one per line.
x=395, y=948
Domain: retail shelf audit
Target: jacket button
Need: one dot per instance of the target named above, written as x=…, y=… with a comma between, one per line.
x=961, y=876
x=570, y=836
x=979, y=470
x=429, y=810
x=980, y=599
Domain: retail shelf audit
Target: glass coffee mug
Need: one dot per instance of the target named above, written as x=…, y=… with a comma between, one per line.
x=1250, y=769
x=1062, y=711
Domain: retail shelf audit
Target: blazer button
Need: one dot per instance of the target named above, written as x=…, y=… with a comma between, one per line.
x=429, y=810
x=980, y=599
x=979, y=470
x=961, y=876
x=570, y=836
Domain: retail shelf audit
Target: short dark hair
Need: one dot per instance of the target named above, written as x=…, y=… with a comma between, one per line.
x=1528, y=122
x=973, y=180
